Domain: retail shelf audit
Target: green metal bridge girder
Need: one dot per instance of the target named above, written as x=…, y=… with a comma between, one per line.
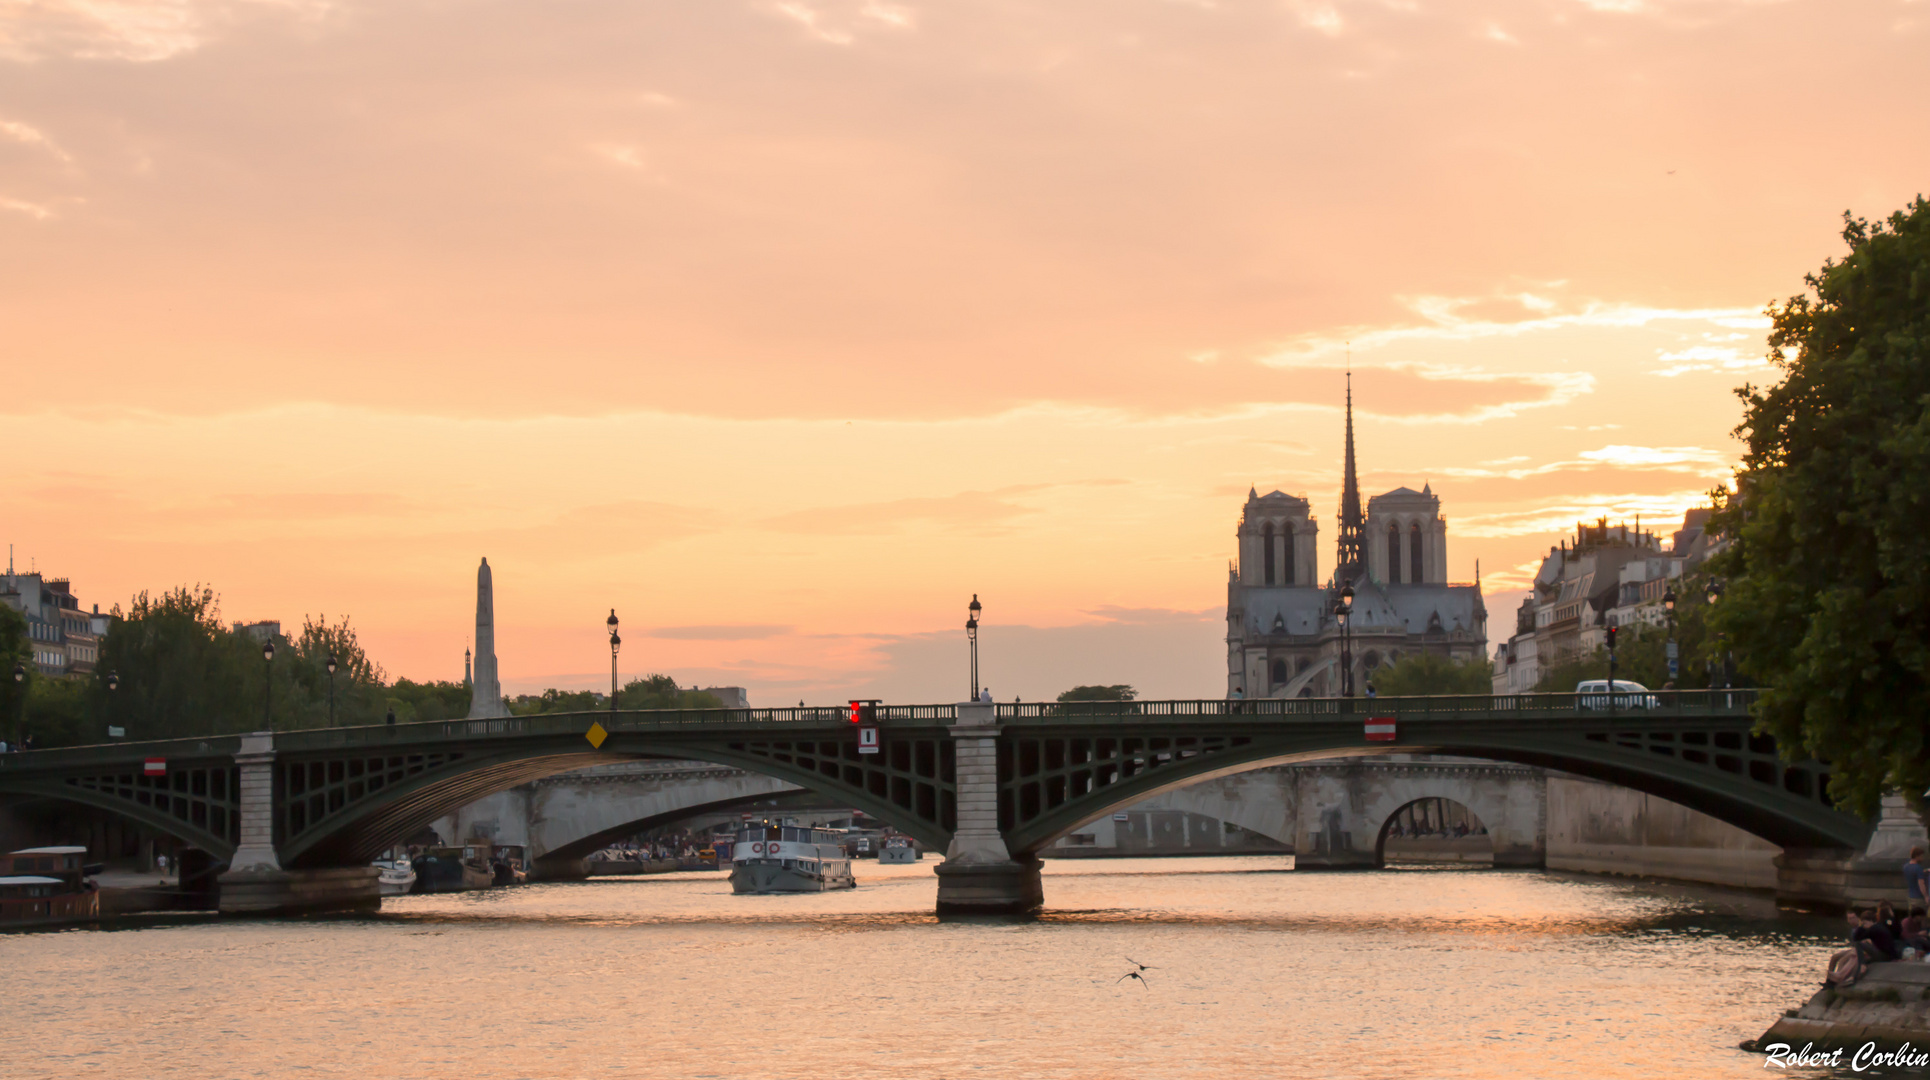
x=341, y=795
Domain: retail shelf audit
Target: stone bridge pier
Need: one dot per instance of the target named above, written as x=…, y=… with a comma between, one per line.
x=255, y=882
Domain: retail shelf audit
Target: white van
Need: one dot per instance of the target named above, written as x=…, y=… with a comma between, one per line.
x=1629, y=695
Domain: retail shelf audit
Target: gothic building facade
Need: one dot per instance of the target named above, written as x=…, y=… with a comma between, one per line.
x=1283, y=638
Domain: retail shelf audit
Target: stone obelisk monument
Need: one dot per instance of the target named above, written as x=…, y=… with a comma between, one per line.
x=486, y=694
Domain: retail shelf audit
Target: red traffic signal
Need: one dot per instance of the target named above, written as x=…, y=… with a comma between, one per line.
x=1611, y=638
x=864, y=712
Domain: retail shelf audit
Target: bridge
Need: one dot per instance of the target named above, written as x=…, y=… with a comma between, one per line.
x=298, y=815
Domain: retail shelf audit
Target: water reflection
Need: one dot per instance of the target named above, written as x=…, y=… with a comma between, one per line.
x=1255, y=972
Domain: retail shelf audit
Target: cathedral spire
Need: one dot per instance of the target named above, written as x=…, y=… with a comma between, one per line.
x=1348, y=564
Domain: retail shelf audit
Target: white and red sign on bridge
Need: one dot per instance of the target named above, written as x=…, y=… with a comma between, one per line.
x=1380, y=729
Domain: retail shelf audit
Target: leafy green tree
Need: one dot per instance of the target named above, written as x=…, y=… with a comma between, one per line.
x=65, y=712
x=662, y=692
x=15, y=649
x=1116, y=692
x=1827, y=591
x=1418, y=674
x=181, y=672
x=426, y=701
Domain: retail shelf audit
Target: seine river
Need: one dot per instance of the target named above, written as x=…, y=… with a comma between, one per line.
x=1254, y=972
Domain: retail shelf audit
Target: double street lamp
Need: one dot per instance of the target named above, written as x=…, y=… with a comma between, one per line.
x=971, y=637
x=1343, y=613
x=615, y=644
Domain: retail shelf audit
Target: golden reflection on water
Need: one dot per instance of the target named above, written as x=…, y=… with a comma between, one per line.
x=1254, y=972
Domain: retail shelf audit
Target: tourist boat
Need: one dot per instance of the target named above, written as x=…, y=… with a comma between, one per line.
x=398, y=876
x=789, y=858
x=899, y=849
x=46, y=885
x=452, y=869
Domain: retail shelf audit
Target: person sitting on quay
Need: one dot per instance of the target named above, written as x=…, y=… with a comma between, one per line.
x=1915, y=931
x=1916, y=880
x=1871, y=939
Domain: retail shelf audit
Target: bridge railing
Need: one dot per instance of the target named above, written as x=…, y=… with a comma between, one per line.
x=576, y=723
x=1631, y=703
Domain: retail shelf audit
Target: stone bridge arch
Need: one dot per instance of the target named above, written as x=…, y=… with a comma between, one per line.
x=1512, y=802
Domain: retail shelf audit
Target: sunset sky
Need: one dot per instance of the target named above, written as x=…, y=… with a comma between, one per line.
x=784, y=327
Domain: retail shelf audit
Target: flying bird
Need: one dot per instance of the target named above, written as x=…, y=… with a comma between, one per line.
x=1133, y=975
x=1140, y=966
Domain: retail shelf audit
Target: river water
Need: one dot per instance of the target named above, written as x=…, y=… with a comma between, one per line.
x=1253, y=972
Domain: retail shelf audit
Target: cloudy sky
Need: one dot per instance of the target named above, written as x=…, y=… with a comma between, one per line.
x=784, y=326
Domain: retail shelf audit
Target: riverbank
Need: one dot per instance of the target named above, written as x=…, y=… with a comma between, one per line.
x=1884, y=1011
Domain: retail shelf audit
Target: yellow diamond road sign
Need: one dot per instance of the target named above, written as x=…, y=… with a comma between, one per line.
x=596, y=735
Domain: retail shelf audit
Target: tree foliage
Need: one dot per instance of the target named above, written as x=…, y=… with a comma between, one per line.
x=1118, y=692
x=1418, y=674
x=1827, y=597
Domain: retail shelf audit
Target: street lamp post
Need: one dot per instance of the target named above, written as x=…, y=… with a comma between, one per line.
x=268, y=683
x=112, y=683
x=1343, y=613
x=19, y=703
x=615, y=644
x=1722, y=644
x=971, y=638
x=1610, y=634
x=331, y=689
x=1668, y=609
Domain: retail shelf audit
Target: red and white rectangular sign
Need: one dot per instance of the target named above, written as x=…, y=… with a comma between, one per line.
x=867, y=740
x=1380, y=729
x=156, y=767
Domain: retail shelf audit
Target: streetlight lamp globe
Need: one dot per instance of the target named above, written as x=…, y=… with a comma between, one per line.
x=1668, y=600
x=113, y=680
x=19, y=673
x=268, y=651
x=331, y=663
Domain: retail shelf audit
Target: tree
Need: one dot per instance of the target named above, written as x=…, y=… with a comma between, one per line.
x=182, y=673
x=1418, y=674
x=427, y=701
x=16, y=648
x=662, y=692
x=1116, y=692
x=1827, y=579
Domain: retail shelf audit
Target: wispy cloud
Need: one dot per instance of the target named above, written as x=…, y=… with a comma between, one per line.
x=1693, y=460
x=1708, y=358
x=139, y=31
x=22, y=206
x=967, y=508
x=721, y=632
x=29, y=135
x=1556, y=519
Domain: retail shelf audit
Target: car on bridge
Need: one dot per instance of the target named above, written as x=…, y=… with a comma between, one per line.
x=1595, y=694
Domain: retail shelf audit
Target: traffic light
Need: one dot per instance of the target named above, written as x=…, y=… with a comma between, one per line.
x=864, y=712
x=1611, y=639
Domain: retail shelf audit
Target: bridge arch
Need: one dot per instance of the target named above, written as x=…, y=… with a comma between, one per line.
x=1440, y=817
x=1073, y=774
x=331, y=815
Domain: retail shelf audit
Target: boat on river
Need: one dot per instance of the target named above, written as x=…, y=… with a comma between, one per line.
x=47, y=885
x=452, y=869
x=789, y=858
x=899, y=849
x=397, y=877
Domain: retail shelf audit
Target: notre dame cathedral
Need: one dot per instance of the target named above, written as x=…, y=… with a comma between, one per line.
x=1283, y=637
